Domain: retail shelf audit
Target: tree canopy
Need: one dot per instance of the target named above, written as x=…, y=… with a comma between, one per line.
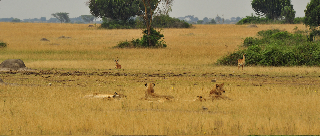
x=114, y=9
x=272, y=9
x=312, y=14
x=62, y=16
x=87, y=18
x=289, y=14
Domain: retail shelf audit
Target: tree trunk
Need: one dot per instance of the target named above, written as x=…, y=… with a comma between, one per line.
x=148, y=20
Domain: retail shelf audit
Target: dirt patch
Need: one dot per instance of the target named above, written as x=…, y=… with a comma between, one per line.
x=13, y=65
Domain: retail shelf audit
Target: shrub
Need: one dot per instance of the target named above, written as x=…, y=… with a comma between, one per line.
x=273, y=56
x=118, y=24
x=268, y=33
x=276, y=48
x=3, y=44
x=165, y=21
x=249, y=41
x=263, y=20
x=155, y=41
x=281, y=35
x=298, y=20
x=257, y=20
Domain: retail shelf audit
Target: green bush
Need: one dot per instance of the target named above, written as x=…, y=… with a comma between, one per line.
x=118, y=24
x=155, y=41
x=257, y=20
x=3, y=44
x=263, y=20
x=276, y=48
x=165, y=21
x=249, y=41
x=298, y=20
x=268, y=33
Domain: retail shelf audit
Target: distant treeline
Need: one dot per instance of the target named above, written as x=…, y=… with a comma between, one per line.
x=264, y=20
x=217, y=20
x=77, y=20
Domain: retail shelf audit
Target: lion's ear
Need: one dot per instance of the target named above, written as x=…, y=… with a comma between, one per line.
x=217, y=85
x=222, y=84
x=154, y=84
x=146, y=84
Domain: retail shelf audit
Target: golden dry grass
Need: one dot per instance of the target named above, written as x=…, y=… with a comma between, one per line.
x=266, y=100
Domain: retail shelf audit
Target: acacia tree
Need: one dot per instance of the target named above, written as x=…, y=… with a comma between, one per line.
x=125, y=9
x=270, y=8
x=62, y=16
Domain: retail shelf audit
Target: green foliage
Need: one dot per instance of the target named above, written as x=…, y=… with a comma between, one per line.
x=272, y=9
x=162, y=21
x=298, y=20
x=155, y=41
x=212, y=21
x=250, y=41
x=262, y=20
x=289, y=14
x=312, y=14
x=87, y=18
x=312, y=18
x=118, y=24
x=114, y=9
x=118, y=14
x=62, y=16
x=256, y=20
x=276, y=48
x=16, y=20
x=165, y=21
x=3, y=44
x=268, y=33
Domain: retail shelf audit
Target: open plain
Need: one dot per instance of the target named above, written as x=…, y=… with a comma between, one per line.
x=49, y=101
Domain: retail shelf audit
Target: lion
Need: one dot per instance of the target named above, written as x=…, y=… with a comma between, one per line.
x=150, y=92
x=215, y=94
x=217, y=91
x=105, y=96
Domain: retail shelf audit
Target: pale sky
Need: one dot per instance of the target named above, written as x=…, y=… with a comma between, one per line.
x=25, y=9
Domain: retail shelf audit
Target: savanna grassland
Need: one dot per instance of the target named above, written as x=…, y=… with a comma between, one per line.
x=265, y=100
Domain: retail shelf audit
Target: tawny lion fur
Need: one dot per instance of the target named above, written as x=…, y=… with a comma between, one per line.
x=215, y=93
x=105, y=96
x=150, y=92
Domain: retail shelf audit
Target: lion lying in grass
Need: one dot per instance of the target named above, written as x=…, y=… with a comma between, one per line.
x=215, y=94
x=105, y=96
x=150, y=93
